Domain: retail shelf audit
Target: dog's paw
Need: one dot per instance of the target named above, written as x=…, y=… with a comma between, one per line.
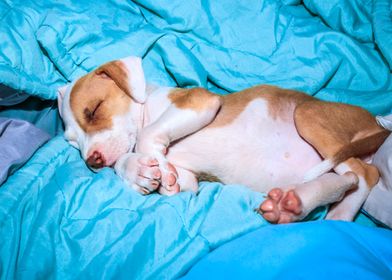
x=141, y=172
x=281, y=207
x=169, y=177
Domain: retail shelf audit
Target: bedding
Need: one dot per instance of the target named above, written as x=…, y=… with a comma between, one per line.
x=335, y=50
x=18, y=142
x=314, y=250
x=66, y=222
x=379, y=202
x=9, y=96
x=42, y=113
x=58, y=219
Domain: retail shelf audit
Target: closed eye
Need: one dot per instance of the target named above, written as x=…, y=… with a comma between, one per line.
x=90, y=114
x=96, y=107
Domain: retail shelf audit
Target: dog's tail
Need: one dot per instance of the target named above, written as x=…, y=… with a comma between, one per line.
x=358, y=148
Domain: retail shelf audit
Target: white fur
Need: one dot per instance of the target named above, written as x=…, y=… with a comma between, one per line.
x=351, y=203
x=262, y=153
x=137, y=82
x=318, y=170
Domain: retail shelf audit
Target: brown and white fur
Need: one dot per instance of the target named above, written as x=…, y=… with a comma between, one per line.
x=272, y=140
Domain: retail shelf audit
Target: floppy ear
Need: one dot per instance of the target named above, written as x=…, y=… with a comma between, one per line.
x=60, y=97
x=128, y=74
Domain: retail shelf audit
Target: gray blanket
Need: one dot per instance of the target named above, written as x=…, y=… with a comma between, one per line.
x=18, y=141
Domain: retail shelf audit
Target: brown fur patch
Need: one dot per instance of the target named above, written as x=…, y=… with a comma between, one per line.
x=208, y=177
x=196, y=99
x=338, y=131
x=117, y=71
x=367, y=171
x=279, y=101
x=95, y=99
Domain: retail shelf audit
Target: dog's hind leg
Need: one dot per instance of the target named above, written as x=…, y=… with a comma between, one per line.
x=368, y=177
x=293, y=203
x=341, y=134
x=338, y=131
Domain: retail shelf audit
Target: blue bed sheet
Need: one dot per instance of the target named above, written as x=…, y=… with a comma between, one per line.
x=335, y=50
x=60, y=220
x=313, y=250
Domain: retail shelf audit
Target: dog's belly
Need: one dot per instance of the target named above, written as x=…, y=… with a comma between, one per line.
x=255, y=150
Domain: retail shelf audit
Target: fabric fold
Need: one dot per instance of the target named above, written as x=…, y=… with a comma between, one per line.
x=18, y=141
x=382, y=25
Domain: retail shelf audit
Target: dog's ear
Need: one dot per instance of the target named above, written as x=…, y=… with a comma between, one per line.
x=60, y=97
x=128, y=74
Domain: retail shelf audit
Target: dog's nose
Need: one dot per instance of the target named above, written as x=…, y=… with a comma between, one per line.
x=96, y=160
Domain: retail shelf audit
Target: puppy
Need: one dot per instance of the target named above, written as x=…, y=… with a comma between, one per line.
x=264, y=137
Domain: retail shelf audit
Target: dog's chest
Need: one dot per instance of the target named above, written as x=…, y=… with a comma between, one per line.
x=255, y=149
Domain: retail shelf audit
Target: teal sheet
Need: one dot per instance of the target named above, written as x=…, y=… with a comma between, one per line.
x=335, y=50
x=321, y=250
x=60, y=220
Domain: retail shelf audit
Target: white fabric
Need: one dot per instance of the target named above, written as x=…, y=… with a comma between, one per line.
x=385, y=122
x=379, y=202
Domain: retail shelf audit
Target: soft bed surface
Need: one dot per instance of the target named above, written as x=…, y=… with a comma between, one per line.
x=313, y=250
x=60, y=220
x=335, y=50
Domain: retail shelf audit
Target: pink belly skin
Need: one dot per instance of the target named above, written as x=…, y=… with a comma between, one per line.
x=255, y=150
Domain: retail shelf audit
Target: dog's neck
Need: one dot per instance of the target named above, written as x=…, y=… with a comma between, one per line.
x=156, y=103
x=140, y=112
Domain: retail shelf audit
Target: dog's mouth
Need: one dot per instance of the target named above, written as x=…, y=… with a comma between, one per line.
x=106, y=152
x=98, y=160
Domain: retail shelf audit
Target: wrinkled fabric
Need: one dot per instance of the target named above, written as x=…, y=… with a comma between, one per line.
x=385, y=121
x=382, y=22
x=379, y=202
x=316, y=250
x=18, y=141
x=9, y=96
x=42, y=113
x=66, y=222
x=378, y=205
x=60, y=220
x=335, y=50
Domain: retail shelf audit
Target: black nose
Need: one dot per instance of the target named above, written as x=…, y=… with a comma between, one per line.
x=96, y=160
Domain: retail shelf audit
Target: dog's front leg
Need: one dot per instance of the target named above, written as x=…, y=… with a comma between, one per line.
x=190, y=111
x=141, y=172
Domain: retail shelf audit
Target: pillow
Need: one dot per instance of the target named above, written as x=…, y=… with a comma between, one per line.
x=379, y=203
x=18, y=141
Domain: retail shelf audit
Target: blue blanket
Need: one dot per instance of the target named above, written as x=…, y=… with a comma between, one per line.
x=314, y=250
x=335, y=50
x=60, y=220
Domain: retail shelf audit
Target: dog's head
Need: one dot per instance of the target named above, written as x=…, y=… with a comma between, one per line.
x=101, y=110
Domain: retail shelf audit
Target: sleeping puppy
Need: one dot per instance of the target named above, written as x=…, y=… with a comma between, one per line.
x=166, y=139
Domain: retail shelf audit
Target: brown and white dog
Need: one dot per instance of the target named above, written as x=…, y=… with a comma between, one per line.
x=166, y=139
